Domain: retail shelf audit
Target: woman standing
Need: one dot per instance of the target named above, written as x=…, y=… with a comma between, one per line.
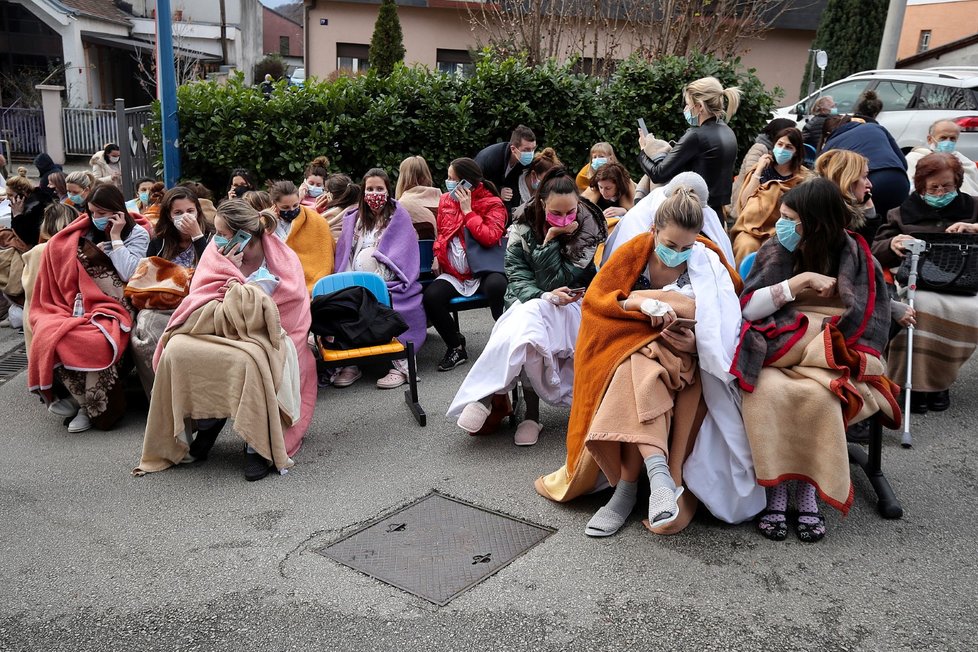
x=105, y=165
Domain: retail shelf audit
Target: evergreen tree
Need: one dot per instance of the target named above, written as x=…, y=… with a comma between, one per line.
x=387, y=42
x=850, y=32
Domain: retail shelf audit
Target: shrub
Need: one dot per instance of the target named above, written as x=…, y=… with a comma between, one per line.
x=367, y=120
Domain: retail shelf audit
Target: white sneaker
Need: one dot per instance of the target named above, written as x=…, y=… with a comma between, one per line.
x=64, y=407
x=80, y=423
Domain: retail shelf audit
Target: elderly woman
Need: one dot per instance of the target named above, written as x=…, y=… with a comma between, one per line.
x=947, y=325
x=649, y=392
x=817, y=317
x=235, y=349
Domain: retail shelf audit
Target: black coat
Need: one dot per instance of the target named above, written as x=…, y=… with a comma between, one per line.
x=27, y=225
x=354, y=318
x=709, y=150
x=493, y=161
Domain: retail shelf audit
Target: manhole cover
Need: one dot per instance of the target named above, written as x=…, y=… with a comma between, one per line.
x=13, y=362
x=437, y=547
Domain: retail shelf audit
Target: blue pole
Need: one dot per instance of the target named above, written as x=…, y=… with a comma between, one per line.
x=167, y=92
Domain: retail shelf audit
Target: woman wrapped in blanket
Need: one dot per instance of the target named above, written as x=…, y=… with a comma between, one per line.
x=817, y=315
x=650, y=393
x=549, y=262
x=235, y=349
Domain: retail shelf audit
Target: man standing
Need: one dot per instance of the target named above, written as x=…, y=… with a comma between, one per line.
x=943, y=137
x=823, y=108
x=503, y=163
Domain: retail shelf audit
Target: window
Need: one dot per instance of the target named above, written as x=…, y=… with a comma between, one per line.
x=455, y=62
x=283, y=45
x=844, y=94
x=896, y=95
x=946, y=98
x=352, y=57
x=924, y=43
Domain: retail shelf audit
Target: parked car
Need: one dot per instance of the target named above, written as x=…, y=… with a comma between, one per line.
x=298, y=77
x=912, y=101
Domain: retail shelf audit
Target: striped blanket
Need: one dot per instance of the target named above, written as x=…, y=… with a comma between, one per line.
x=945, y=337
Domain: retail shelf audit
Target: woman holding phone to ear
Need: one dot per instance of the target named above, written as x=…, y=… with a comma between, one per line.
x=549, y=263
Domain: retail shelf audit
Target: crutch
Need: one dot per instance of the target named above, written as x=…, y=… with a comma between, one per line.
x=914, y=248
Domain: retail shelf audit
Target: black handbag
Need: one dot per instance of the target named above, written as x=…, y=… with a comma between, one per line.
x=948, y=265
x=483, y=260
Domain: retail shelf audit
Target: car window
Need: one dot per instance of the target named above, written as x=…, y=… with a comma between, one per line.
x=845, y=95
x=946, y=97
x=896, y=95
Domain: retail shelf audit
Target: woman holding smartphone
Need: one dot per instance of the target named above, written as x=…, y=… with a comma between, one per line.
x=549, y=263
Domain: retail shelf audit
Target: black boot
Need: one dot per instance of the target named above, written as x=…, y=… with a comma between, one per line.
x=919, y=402
x=205, y=439
x=939, y=401
x=256, y=467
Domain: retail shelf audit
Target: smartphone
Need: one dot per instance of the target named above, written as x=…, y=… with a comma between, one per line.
x=576, y=291
x=642, y=127
x=241, y=238
x=461, y=184
x=681, y=323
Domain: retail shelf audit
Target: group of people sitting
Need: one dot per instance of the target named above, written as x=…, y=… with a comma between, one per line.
x=618, y=300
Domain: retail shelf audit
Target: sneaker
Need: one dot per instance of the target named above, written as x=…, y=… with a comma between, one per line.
x=347, y=376
x=80, y=423
x=256, y=467
x=453, y=358
x=394, y=378
x=64, y=407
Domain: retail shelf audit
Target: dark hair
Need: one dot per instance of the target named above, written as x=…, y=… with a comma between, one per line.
x=617, y=174
x=935, y=163
x=167, y=230
x=776, y=126
x=557, y=181
x=199, y=189
x=244, y=174
x=279, y=189
x=824, y=216
x=141, y=180
x=543, y=161
x=366, y=216
x=109, y=197
x=831, y=123
x=319, y=167
x=521, y=133
x=468, y=169
x=869, y=104
x=109, y=147
x=798, y=142
x=343, y=191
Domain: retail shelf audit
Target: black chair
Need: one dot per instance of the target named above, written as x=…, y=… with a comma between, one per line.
x=870, y=460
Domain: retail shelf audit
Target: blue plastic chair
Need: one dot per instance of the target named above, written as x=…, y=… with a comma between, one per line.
x=474, y=302
x=746, y=264
x=395, y=350
x=426, y=249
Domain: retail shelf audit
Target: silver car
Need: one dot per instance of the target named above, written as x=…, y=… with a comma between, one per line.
x=912, y=101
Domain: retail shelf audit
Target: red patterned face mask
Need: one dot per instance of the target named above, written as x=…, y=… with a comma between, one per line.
x=375, y=199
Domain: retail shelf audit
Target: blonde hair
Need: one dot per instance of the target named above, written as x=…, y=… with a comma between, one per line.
x=822, y=103
x=81, y=179
x=843, y=168
x=19, y=185
x=259, y=200
x=682, y=208
x=709, y=92
x=56, y=217
x=606, y=148
x=414, y=172
x=239, y=215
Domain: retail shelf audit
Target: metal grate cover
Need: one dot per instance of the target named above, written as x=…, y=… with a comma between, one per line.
x=13, y=362
x=437, y=547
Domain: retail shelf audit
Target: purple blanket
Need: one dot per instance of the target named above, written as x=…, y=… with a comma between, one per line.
x=398, y=250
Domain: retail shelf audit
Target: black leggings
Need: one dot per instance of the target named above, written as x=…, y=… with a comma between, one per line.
x=439, y=293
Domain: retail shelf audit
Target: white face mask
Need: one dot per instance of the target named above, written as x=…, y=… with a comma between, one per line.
x=178, y=220
x=113, y=159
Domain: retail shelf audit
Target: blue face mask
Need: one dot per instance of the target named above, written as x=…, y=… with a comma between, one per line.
x=77, y=200
x=782, y=155
x=100, y=223
x=940, y=201
x=221, y=242
x=945, y=147
x=314, y=191
x=598, y=162
x=671, y=257
x=691, y=119
x=451, y=185
x=526, y=158
x=144, y=198
x=787, y=233
x=834, y=110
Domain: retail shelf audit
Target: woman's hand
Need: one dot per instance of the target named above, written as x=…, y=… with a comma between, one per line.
x=116, y=223
x=642, y=140
x=614, y=211
x=823, y=286
x=555, y=231
x=962, y=227
x=17, y=204
x=909, y=318
x=896, y=243
x=223, y=290
x=232, y=194
x=190, y=227
x=763, y=163
x=303, y=190
x=236, y=255
x=681, y=339
x=464, y=199
x=563, y=296
x=322, y=200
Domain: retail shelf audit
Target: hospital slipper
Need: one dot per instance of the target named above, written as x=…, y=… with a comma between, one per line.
x=64, y=407
x=393, y=379
x=502, y=407
x=604, y=523
x=664, y=506
x=527, y=433
x=473, y=417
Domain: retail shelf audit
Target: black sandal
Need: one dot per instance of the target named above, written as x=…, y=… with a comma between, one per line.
x=808, y=532
x=773, y=530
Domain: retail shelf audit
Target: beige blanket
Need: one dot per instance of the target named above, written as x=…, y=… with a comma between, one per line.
x=797, y=415
x=226, y=360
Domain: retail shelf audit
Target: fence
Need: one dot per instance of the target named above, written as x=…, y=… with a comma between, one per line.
x=23, y=129
x=88, y=130
x=138, y=152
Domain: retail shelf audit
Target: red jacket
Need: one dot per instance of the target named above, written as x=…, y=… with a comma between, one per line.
x=486, y=222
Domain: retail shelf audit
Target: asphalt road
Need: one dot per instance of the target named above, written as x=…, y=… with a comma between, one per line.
x=195, y=558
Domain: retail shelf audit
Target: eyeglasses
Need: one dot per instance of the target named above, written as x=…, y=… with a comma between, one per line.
x=935, y=189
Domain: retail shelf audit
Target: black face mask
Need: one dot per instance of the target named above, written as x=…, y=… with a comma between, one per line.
x=288, y=216
x=239, y=191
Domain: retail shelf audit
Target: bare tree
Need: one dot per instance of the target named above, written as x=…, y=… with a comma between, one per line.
x=186, y=67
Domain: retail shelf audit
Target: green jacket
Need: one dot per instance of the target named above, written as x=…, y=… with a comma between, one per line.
x=533, y=268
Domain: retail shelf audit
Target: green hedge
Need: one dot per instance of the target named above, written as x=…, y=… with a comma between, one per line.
x=367, y=121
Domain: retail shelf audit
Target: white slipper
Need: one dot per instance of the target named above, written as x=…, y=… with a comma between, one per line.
x=527, y=433
x=662, y=500
x=473, y=416
x=605, y=523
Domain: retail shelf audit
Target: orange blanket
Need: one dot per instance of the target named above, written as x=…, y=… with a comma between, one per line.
x=758, y=214
x=312, y=241
x=609, y=335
